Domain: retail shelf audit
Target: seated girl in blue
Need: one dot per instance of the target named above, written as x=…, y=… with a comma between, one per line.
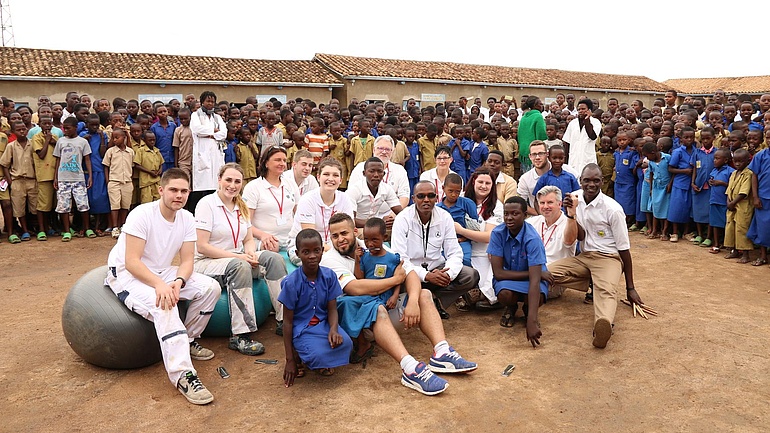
x=310, y=324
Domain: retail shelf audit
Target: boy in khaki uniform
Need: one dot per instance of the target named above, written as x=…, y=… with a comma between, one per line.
x=43, y=144
x=19, y=172
x=509, y=147
x=149, y=162
x=338, y=145
x=118, y=167
x=740, y=208
x=247, y=155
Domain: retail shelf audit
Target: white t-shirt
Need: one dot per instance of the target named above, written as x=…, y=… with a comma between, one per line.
x=479, y=249
x=311, y=209
x=163, y=239
x=367, y=205
x=272, y=207
x=553, y=237
x=225, y=226
x=394, y=175
x=308, y=184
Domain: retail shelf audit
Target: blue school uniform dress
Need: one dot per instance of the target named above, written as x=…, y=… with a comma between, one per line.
x=625, y=180
x=640, y=183
x=98, y=200
x=479, y=153
x=359, y=312
x=230, y=151
x=660, y=178
x=703, y=162
x=459, y=165
x=681, y=192
x=718, y=196
x=759, y=230
x=464, y=206
x=309, y=300
x=518, y=253
x=645, y=198
x=164, y=137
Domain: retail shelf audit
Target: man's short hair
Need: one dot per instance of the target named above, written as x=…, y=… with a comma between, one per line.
x=302, y=153
x=549, y=189
x=341, y=217
x=171, y=174
x=306, y=234
x=519, y=200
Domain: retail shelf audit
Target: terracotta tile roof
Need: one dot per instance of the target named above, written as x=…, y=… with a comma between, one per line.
x=707, y=86
x=348, y=66
x=28, y=62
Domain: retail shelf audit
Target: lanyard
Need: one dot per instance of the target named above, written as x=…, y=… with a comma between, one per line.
x=280, y=205
x=325, y=222
x=439, y=191
x=237, y=221
x=387, y=176
x=542, y=233
x=425, y=245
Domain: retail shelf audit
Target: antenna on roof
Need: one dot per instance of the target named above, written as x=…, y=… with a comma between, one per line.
x=6, y=25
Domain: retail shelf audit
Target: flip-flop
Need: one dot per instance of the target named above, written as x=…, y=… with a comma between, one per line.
x=42, y=237
x=706, y=243
x=355, y=358
x=25, y=237
x=14, y=239
x=506, y=320
x=90, y=234
x=759, y=262
x=66, y=237
x=715, y=250
x=326, y=372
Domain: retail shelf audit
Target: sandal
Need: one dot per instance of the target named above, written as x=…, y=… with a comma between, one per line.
x=14, y=239
x=664, y=237
x=355, y=358
x=734, y=254
x=715, y=250
x=99, y=233
x=301, y=371
x=25, y=237
x=759, y=262
x=66, y=237
x=706, y=243
x=326, y=372
x=506, y=320
x=90, y=234
x=42, y=237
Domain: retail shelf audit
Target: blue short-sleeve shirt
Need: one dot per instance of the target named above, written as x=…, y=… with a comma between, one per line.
x=309, y=298
x=520, y=252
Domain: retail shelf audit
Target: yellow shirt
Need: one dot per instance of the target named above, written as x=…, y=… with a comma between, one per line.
x=245, y=158
x=150, y=159
x=120, y=162
x=427, y=153
x=18, y=159
x=740, y=183
x=510, y=149
x=399, y=153
x=362, y=149
x=45, y=169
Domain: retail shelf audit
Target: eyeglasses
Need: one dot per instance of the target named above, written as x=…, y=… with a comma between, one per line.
x=443, y=158
x=430, y=195
x=538, y=154
x=383, y=149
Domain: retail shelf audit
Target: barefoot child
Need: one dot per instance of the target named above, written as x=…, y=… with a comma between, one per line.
x=740, y=208
x=310, y=324
x=718, y=179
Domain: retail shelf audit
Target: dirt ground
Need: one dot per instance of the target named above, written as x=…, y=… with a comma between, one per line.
x=700, y=366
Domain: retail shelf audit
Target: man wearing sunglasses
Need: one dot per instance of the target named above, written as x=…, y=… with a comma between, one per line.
x=425, y=238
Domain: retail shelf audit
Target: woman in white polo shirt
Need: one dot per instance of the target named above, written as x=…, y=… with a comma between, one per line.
x=316, y=207
x=437, y=175
x=226, y=251
x=481, y=189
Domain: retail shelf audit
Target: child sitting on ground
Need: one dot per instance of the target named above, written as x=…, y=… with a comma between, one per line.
x=462, y=209
x=311, y=334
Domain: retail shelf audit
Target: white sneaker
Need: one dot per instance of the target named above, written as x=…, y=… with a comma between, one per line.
x=193, y=390
x=115, y=233
x=200, y=353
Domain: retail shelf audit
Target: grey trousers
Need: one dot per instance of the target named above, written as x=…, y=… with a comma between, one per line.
x=467, y=279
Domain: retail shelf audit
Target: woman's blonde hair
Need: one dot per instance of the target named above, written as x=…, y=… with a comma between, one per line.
x=238, y=198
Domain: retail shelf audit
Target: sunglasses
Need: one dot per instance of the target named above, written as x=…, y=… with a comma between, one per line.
x=430, y=195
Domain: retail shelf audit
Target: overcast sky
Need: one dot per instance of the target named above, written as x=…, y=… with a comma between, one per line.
x=657, y=39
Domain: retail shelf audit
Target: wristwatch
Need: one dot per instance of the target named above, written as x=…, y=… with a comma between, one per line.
x=184, y=282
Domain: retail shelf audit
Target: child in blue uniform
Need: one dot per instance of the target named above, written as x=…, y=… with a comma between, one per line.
x=702, y=164
x=759, y=231
x=681, y=197
x=718, y=181
x=412, y=165
x=479, y=150
x=311, y=334
x=460, y=147
x=625, y=179
x=661, y=189
x=639, y=171
x=98, y=200
x=459, y=208
x=557, y=177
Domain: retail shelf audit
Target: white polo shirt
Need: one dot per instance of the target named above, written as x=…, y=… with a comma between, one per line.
x=308, y=184
x=553, y=237
x=368, y=205
x=604, y=223
x=432, y=177
x=272, y=207
x=311, y=209
x=227, y=228
x=394, y=175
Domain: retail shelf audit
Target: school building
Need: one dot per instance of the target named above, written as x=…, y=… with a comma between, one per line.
x=752, y=86
x=26, y=73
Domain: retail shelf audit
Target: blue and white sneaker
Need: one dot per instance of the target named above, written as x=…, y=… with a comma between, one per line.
x=452, y=362
x=424, y=381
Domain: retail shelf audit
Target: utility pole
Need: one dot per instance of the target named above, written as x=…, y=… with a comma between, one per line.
x=6, y=25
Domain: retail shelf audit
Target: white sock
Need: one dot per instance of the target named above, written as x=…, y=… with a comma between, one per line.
x=441, y=349
x=408, y=364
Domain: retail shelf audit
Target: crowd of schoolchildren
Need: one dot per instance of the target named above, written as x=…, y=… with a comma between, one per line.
x=696, y=171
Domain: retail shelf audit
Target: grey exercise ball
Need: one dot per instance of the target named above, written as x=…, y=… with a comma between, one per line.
x=102, y=330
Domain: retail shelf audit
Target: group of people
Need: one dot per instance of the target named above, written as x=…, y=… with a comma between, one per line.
x=390, y=214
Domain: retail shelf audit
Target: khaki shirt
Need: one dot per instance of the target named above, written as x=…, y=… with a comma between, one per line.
x=120, y=162
x=151, y=159
x=45, y=169
x=18, y=159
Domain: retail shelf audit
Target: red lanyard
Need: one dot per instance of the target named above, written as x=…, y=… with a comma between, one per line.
x=542, y=234
x=237, y=221
x=325, y=222
x=387, y=175
x=439, y=192
x=280, y=205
